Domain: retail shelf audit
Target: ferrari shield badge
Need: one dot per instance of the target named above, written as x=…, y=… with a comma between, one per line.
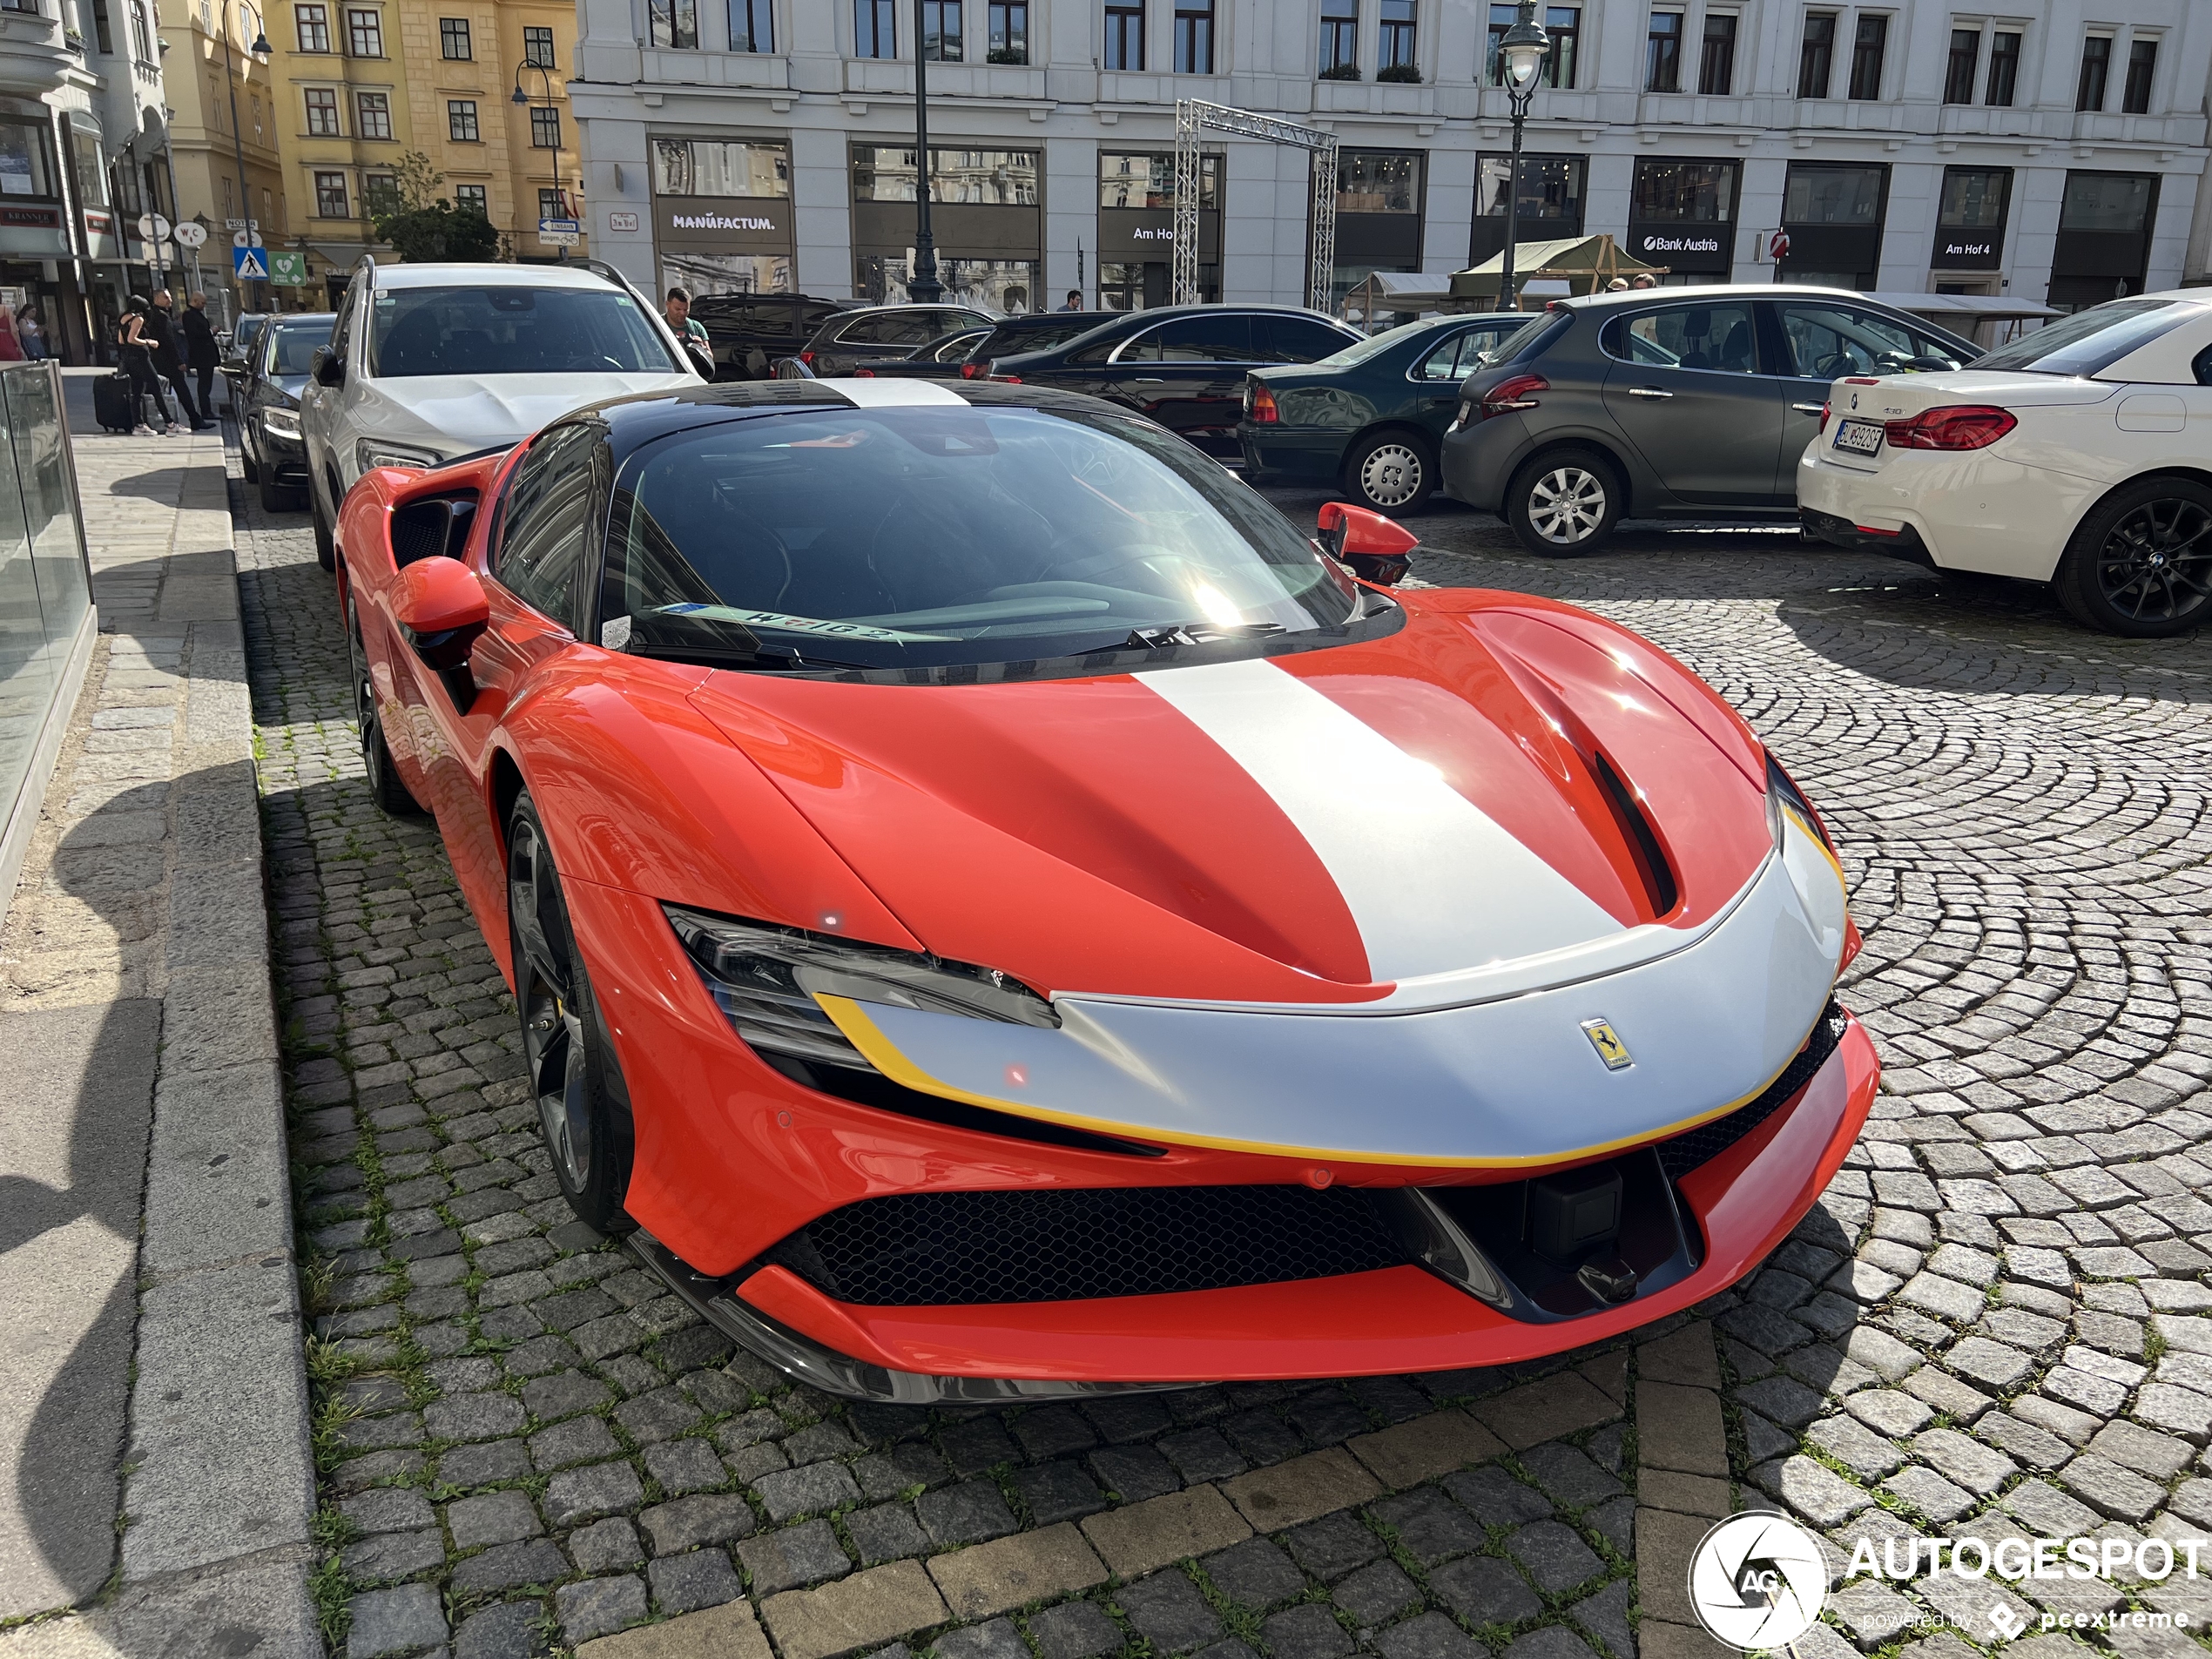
x=1609, y=1045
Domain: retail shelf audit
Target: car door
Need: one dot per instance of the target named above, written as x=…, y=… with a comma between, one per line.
x=1188, y=374
x=322, y=408
x=1434, y=380
x=1683, y=384
x=1820, y=341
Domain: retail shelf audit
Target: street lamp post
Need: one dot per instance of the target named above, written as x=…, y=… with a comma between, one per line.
x=922, y=285
x=259, y=49
x=1523, y=51
x=546, y=78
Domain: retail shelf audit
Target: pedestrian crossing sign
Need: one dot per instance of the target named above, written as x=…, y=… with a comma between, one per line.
x=250, y=264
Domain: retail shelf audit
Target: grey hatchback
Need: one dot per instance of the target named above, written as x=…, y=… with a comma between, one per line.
x=1666, y=402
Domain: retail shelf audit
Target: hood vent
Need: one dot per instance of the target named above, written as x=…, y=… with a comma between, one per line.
x=1661, y=889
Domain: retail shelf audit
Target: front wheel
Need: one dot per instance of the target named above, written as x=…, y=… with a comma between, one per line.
x=586, y=1133
x=1564, y=504
x=2141, y=564
x=1391, y=472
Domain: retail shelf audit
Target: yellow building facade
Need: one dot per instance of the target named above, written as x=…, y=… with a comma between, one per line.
x=223, y=139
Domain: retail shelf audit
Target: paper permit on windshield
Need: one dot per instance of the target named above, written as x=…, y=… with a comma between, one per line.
x=813, y=625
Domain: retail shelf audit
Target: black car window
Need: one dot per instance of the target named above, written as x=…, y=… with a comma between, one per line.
x=892, y=328
x=944, y=322
x=1215, y=338
x=1717, y=338
x=1099, y=352
x=292, y=347
x=543, y=530
x=1298, y=339
x=1009, y=338
x=1829, y=341
x=954, y=348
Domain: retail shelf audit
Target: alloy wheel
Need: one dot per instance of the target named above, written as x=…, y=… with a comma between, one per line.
x=552, y=1028
x=2155, y=564
x=1390, y=475
x=1567, y=504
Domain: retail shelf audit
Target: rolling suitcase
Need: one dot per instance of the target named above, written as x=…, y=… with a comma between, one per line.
x=114, y=405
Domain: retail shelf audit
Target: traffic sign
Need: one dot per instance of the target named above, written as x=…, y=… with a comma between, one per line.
x=245, y=238
x=560, y=233
x=288, y=270
x=190, y=235
x=1777, y=245
x=153, y=227
x=249, y=264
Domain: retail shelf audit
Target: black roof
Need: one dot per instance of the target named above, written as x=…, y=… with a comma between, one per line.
x=640, y=417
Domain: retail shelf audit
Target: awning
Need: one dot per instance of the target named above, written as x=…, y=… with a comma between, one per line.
x=1980, y=308
x=1414, y=291
x=1587, y=264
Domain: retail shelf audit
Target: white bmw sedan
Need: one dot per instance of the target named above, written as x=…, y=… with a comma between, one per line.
x=2080, y=455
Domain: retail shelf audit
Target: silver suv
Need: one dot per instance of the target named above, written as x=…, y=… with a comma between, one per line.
x=428, y=363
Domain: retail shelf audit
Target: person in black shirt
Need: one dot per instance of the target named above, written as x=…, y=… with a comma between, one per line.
x=133, y=341
x=200, y=350
x=160, y=331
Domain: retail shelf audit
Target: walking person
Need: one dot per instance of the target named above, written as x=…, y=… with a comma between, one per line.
x=160, y=329
x=137, y=362
x=201, y=353
x=1075, y=300
x=690, y=331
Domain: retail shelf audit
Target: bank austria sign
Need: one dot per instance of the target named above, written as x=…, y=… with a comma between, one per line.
x=1703, y=249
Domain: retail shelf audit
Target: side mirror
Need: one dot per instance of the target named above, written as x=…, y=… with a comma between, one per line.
x=440, y=606
x=1376, y=548
x=327, y=368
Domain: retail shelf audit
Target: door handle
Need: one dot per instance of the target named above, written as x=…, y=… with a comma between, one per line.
x=1647, y=391
x=1810, y=409
x=1151, y=379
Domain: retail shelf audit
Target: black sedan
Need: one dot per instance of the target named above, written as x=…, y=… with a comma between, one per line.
x=855, y=338
x=267, y=397
x=1368, y=419
x=1185, y=366
x=751, y=332
x=968, y=355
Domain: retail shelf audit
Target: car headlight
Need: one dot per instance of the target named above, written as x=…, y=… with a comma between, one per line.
x=765, y=980
x=1785, y=800
x=373, y=453
x=281, y=423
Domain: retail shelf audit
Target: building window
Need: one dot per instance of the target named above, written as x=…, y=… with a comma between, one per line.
x=716, y=167
x=1958, y=73
x=314, y=25
x=364, y=32
x=322, y=112
x=1662, y=53
x=452, y=39
x=1816, y=54
x=372, y=118
x=100, y=30
x=545, y=128
x=1340, y=39
x=1147, y=179
x=2096, y=65
x=1394, y=38
x=537, y=46
x=1717, y=63
x=1125, y=37
x=461, y=120
x=941, y=33
x=875, y=33
x=675, y=24
x=1684, y=192
x=1009, y=27
x=1562, y=23
x=1551, y=189
x=1824, y=193
x=330, y=196
x=141, y=36
x=1194, y=37
x=2143, y=63
x=2004, y=68
x=380, y=193
x=552, y=204
x=752, y=26
x=1866, y=49
x=1973, y=198
x=1378, y=181
x=476, y=196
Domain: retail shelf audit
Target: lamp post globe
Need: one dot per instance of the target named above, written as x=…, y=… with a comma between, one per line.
x=1522, y=55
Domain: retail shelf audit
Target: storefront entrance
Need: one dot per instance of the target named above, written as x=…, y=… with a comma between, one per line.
x=1682, y=214
x=722, y=218
x=1136, y=229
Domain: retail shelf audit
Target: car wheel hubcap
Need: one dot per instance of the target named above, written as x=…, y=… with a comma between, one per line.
x=2156, y=564
x=1567, y=504
x=1390, y=475
x=552, y=1033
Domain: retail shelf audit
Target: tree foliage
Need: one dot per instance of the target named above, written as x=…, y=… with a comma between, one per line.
x=423, y=226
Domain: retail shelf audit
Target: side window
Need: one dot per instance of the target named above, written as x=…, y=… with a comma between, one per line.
x=1454, y=359
x=1826, y=341
x=342, y=330
x=1223, y=338
x=544, y=528
x=1097, y=353
x=1714, y=338
x=1299, y=340
x=866, y=331
x=1146, y=348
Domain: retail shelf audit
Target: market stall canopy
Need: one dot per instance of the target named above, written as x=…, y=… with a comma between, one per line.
x=1586, y=263
x=1976, y=307
x=1417, y=292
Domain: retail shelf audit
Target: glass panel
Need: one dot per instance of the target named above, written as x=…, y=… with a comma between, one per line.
x=1973, y=199
x=1709, y=337
x=2106, y=201
x=27, y=648
x=1551, y=187
x=1148, y=179
x=1685, y=192
x=1833, y=196
x=987, y=177
x=727, y=272
x=719, y=167
x=2088, y=340
x=1829, y=341
x=1375, y=181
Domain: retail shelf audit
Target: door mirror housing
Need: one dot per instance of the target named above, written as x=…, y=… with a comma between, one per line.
x=440, y=606
x=327, y=368
x=1375, y=548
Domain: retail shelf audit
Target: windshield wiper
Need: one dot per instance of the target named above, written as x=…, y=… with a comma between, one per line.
x=737, y=658
x=1197, y=633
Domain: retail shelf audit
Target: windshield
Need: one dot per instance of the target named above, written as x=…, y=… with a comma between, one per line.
x=292, y=346
x=939, y=535
x=2088, y=340
x=1352, y=355
x=511, y=331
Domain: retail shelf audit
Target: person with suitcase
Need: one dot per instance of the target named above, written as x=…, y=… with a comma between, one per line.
x=137, y=362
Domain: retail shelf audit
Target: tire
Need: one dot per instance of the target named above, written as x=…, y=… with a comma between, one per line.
x=2140, y=565
x=581, y=1117
x=1392, y=472
x=386, y=787
x=1565, y=503
x=326, y=538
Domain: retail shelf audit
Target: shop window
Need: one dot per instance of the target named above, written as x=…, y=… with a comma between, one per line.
x=1686, y=192
x=473, y=198
x=1825, y=193
x=2142, y=65
x=545, y=128
x=721, y=167
x=1717, y=63
x=1008, y=21
x=2096, y=65
x=26, y=159
x=875, y=28
x=452, y=39
x=537, y=46
x=2004, y=68
x=1394, y=41
x=1662, y=53
x=461, y=120
x=1816, y=54
x=1562, y=23
x=1958, y=72
x=701, y=273
x=1551, y=189
x=1340, y=39
x=752, y=26
x=1378, y=181
x=1147, y=179
x=675, y=24
x=977, y=178
x=322, y=112
x=330, y=196
x=1973, y=198
x=1194, y=37
x=373, y=116
x=2106, y=201
x=1125, y=37
x=941, y=30
x=1867, y=47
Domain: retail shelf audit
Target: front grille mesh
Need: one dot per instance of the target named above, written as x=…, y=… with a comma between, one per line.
x=1064, y=1244
x=1708, y=1141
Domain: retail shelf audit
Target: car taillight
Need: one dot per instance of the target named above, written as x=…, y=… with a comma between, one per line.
x=1259, y=405
x=1007, y=379
x=863, y=373
x=1824, y=417
x=1516, y=393
x=975, y=371
x=807, y=358
x=1957, y=426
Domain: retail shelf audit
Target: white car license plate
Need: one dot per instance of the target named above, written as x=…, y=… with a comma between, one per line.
x=1860, y=437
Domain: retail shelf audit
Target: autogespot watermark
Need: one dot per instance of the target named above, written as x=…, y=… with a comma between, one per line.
x=1758, y=1582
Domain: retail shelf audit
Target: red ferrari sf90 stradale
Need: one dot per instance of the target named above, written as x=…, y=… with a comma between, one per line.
x=995, y=910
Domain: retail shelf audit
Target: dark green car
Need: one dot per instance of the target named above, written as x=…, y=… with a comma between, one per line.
x=1366, y=419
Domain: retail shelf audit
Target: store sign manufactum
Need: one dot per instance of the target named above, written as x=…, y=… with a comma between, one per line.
x=725, y=224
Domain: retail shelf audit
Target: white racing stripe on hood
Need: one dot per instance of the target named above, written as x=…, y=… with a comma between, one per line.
x=1432, y=881
x=872, y=394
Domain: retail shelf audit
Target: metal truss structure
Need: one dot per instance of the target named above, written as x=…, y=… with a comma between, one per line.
x=1195, y=116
